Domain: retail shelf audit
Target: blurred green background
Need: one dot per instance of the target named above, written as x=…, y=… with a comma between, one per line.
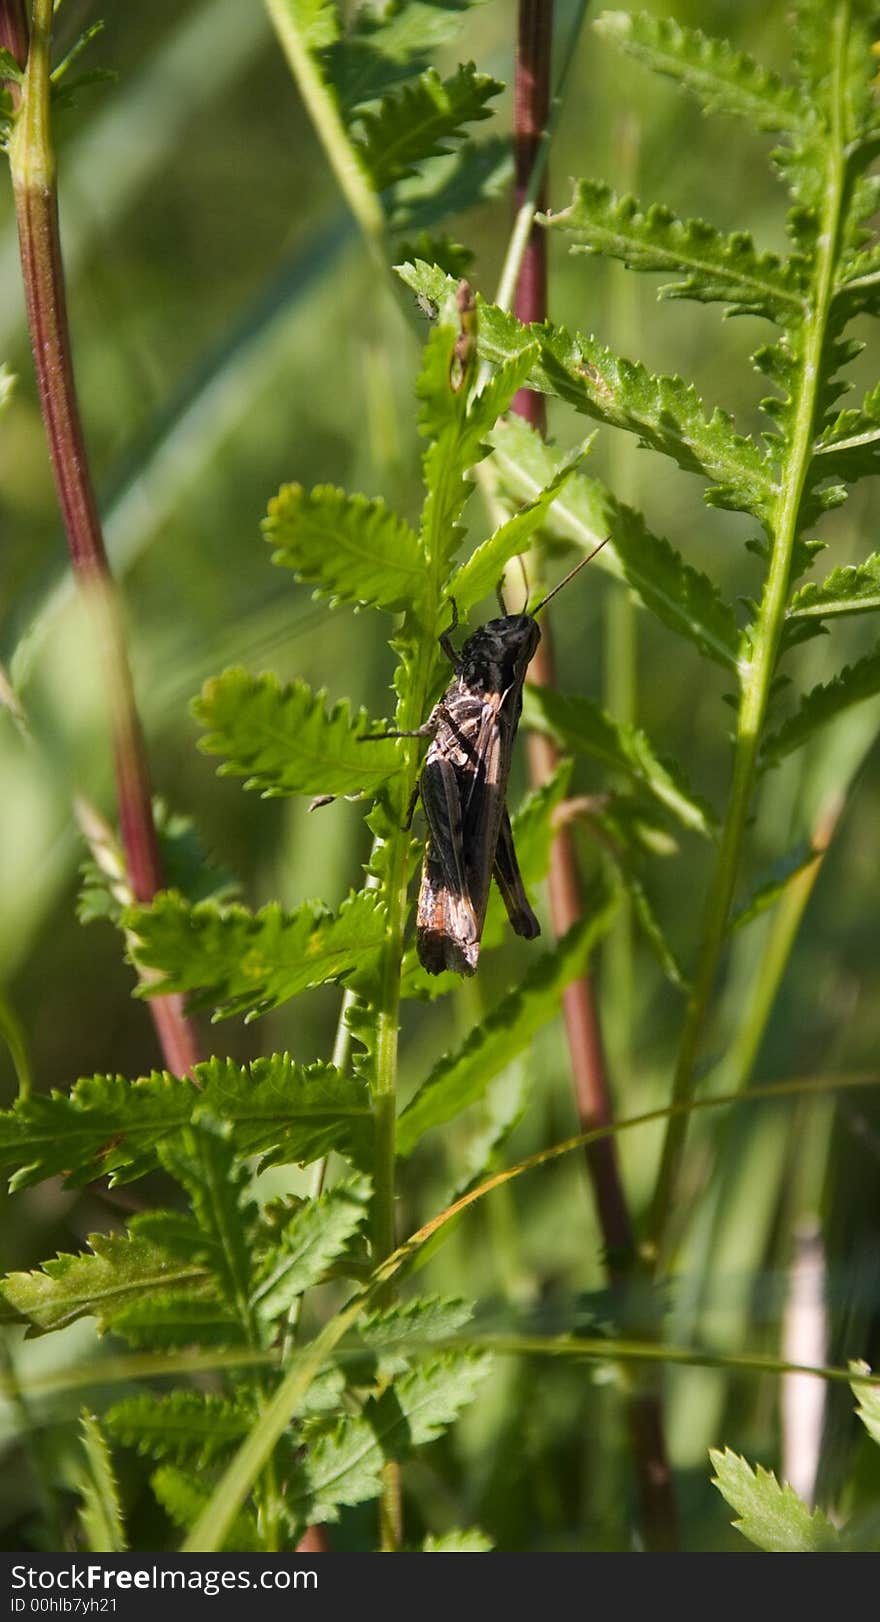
x=229, y=334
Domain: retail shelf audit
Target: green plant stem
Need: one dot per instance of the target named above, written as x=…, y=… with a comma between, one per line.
x=127, y=1368
x=32, y=163
x=13, y=1033
x=339, y=151
x=388, y=1017
x=757, y=673
x=368, y=213
x=621, y=655
x=739, y=1061
x=385, y=1088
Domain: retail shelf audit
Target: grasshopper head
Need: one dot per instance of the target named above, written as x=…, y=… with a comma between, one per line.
x=497, y=656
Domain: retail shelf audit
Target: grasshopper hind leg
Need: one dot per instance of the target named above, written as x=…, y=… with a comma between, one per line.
x=508, y=878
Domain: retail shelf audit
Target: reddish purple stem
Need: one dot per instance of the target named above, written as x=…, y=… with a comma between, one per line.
x=589, y=1073
x=43, y=275
x=14, y=30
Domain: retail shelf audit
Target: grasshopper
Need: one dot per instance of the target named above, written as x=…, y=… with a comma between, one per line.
x=463, y=787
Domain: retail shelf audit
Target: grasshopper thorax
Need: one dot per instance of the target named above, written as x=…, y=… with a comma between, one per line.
x=497, y=655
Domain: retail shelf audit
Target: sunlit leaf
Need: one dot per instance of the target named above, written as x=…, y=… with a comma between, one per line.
x=665, y=413
x=109, y=1125
x=472, y=1541
x=770, y=1515
x=706, y=265
x=722, y=79
x=852, y=589
x=239, y=962
x=117, y=1269
x=284, y=740
x=478, y=577
x=350, y=548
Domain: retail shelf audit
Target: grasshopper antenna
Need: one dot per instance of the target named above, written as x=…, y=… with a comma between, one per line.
x=570, y=576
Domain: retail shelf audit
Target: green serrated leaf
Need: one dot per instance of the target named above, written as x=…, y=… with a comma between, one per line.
x=241, y=962
x=707, y=265
x=316, y=20
x=283, y=740
x=585, y=512
x=868, y=1400
x=769, y=890
x=187, y=1426
x=461, y=1078
x=100, y=1511
x=455, y=258
x=108, y=1125
x=315, y=1236
x=97, y=1283
x=858, y=285
x=580, y=725
x=479, y=576
x=414, y=1324
x=771, y=1516
x=445, y=186
x=472, y=1541
x=852, y=589
x=350, y=548
x=722, y=79
x=204, y=1160
x=184, y=1497
x=9, y=68
x=345, y=1465
x=457, y=426
x=427, y=1400
x=652, y=929
x=664, y=412
x=419, y=120
x=176, y=1232
x=288, y=1113
x=823, y=704
x=378, y=52
x=325, y=1394
x=177, y=1319
x=848, y=448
